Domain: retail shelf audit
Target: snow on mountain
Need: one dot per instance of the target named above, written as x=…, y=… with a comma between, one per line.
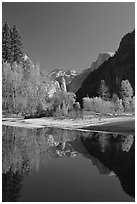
x=68, y=75
x=111, y=54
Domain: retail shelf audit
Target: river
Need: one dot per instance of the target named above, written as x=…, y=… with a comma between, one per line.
x=56, y=165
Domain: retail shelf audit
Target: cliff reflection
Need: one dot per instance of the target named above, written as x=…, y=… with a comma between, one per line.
x=113, y=154
x=26, y=149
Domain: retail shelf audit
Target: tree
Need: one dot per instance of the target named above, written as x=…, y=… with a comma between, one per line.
x=17, y=81
x=6, y=86
x=24, y=95
x=63, y=101
x=104, y=91
x=126, y=94
x=133, y=104
x=6, y=44
x=16, y=45
x=35, y=93
x=126, y=89
x=119, y=106
x=116, y=102
x=12, y=80
x=115, y=98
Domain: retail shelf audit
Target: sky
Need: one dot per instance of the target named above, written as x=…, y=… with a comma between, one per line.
x=69, y=35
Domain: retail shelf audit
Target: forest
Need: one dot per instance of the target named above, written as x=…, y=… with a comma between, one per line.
x=29, y=92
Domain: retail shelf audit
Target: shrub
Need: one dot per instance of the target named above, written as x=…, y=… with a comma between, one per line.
x=98, y=105
x=118, y=106
x=73, y=114
x=58, y=112
x=87, y=104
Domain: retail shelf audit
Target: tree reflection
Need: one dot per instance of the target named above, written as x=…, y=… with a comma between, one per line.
x=11, y=186
x=26, y=149
x=23, y=150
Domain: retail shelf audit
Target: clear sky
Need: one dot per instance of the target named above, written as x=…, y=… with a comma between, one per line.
x=69, y=35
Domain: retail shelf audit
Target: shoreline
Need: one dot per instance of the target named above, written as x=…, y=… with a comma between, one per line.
x=122, y=127
x=111, y=124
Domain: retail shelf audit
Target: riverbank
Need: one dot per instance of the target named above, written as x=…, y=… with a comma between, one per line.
x=127, y=127
x=111, y=124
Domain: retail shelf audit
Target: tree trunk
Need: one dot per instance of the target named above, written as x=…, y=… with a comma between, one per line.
x=14, y=104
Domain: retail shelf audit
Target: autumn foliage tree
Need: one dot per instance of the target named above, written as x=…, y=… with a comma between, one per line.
x=25, y=90
x=63, y=102
x=12, y=80
x=126, y=94
x=20, y=94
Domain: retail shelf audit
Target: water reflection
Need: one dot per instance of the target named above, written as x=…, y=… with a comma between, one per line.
x=113, y=156
x=24, y=150
x=11, y=186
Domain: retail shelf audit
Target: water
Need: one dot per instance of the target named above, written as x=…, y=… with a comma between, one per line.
x=63, y=165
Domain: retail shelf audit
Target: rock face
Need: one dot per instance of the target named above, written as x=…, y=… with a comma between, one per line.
x=119, y=67
x=102, y=57
x=54, y=87
x=57, y=86
x=63, y=84
x=68, y=75
x=78, y=80
x=57, y=81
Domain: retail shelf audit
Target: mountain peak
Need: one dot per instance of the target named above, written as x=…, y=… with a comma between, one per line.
x=79, y=78
x=113, y=70
x=101, y=58
x=68, y=75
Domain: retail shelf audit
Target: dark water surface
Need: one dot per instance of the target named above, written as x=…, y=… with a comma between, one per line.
x=66, y=165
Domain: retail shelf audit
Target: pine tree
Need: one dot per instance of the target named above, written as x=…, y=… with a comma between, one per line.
x=6, y=44
x=104, y=91
x=16, y=45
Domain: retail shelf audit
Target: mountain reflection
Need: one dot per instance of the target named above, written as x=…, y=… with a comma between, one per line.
x=114, y=155
x=26, y=149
